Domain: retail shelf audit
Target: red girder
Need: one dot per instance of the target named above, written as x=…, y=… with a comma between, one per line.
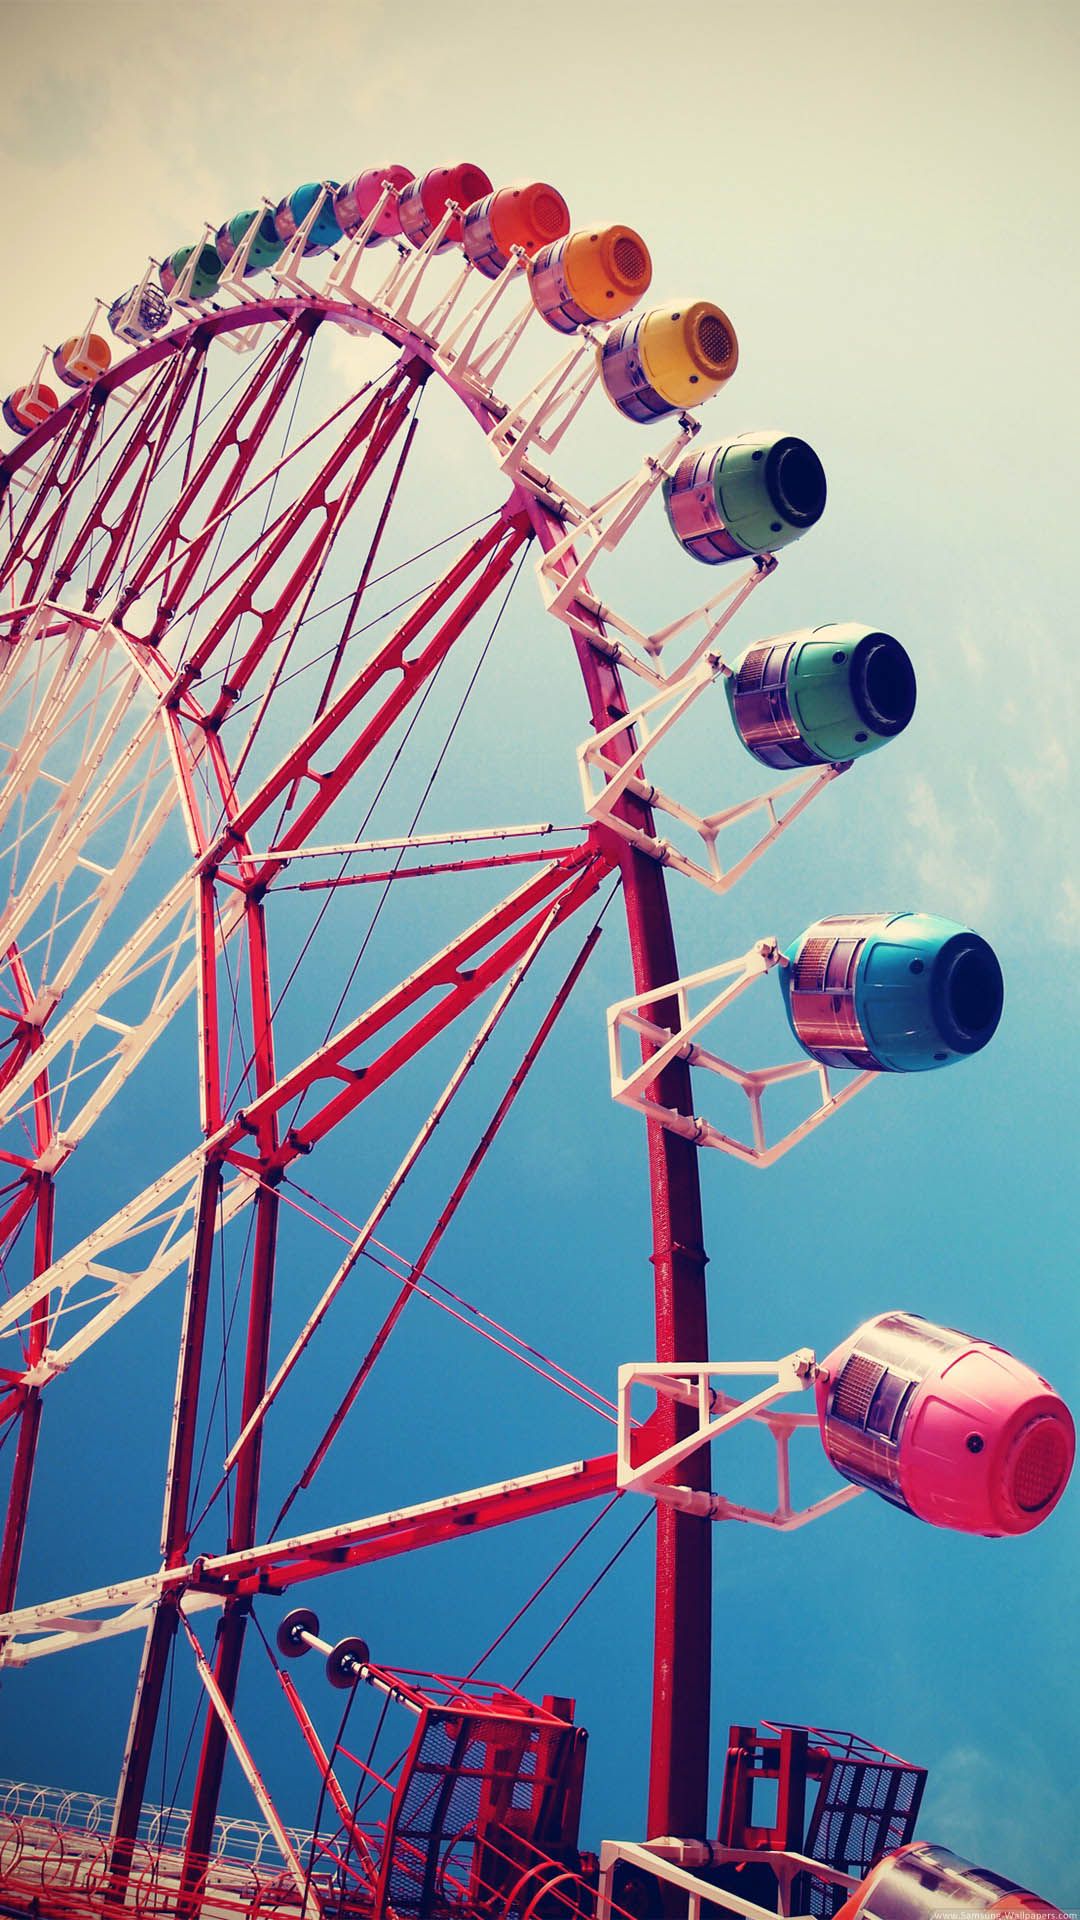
x=532, y=859
x=40, y=1197
x=59, y=477
x=376, y=424
x=575, y=876
x=278, y=370
x=285, y=1563
x=501, y=542
x=146, y=444
x=324, y=1763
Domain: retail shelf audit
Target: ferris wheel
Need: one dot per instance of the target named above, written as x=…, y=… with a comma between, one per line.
x=241, y=639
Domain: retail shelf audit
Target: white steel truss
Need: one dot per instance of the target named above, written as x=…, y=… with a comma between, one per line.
x=672, y=1861
x=87, y=1276
x=690, y=1385
x=636, y=1087
x=604, y=780
x=98, y=763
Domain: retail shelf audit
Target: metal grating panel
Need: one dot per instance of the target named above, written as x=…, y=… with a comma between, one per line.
x=864, y=1809
x=859, y=1380
x=474, y=1786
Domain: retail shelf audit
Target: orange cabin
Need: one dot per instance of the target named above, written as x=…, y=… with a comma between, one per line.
x=82, y=360
x=528, y=216
x=27, y=407
x=596, y=274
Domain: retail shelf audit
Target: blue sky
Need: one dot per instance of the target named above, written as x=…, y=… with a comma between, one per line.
x=883, y=204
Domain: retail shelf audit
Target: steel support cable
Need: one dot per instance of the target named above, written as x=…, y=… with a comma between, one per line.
x=244, y=374
x=340, y=513
x=266, y=510
x=424, y=797
x=185, y=1755
x=541, y=1364
x=324, y=909
x=544, y=1584
x=195, y=1524
x=268, y=527
x=419, y=1273
x=101, y=531
x=380, y=790
x=401, y=567
x=369, y=561
x=317, y=659
x=410, y=1290
x=164, y=421
x=241, y=499
x=589, y=1591
x=154, y=472
x=547, y=1369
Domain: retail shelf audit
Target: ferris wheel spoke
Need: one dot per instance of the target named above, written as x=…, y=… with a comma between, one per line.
x=84, y=810
x=122, y=491
x=224, y=1578
x=239, y=437
x=153, y=956
x=367, y=437
x=63, y=469
x=493, y=551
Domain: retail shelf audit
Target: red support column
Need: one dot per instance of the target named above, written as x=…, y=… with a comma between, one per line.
x=679, y=1758
x=41, y=1195
x=244, y=1529
x=175, y=1533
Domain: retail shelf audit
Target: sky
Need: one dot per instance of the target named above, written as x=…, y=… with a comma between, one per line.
x=883, y=203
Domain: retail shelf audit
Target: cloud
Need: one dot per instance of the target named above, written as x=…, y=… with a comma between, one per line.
x=992, y=836
x=1013, y=1818
x=950, y=869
